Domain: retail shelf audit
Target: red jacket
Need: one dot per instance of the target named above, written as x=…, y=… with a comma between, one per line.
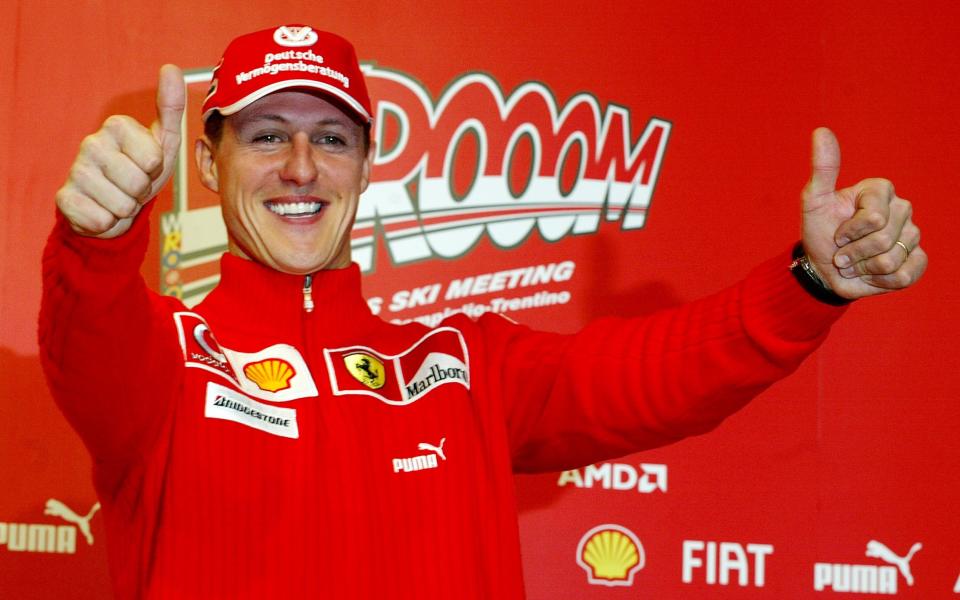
x=250, y=449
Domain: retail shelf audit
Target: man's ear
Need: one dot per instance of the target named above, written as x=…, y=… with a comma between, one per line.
x=367, y=163
x=203, y=152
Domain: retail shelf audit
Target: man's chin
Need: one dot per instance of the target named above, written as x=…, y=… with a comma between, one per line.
x=303, y=265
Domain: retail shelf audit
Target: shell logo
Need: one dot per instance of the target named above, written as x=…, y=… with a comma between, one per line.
x=271, y=374
x=611, y=555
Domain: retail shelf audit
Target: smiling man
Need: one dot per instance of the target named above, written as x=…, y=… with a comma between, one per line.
x=280, y=441
x=284, y=206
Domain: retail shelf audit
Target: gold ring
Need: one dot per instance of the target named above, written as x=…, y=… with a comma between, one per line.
x=904, y=246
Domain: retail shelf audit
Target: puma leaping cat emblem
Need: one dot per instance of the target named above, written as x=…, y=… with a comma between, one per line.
x=877, y=550
x=436, y=449
x=56, y=508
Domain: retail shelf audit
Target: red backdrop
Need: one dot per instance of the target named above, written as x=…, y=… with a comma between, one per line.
x=860, y=445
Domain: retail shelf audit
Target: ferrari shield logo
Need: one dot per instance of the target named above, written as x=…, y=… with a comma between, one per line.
x=366, y=369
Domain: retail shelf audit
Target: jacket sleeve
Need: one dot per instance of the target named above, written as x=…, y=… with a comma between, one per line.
x=107, y=344
x=624, y=385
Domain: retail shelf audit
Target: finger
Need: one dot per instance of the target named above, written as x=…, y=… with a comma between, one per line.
x=128, y=178
x=123, y=136
x=885, y=263
x=171, y=99
x=824, y=163
x=873, y=200
x=102, y=157
x=882, y=241
x=908, y=273
x=84, y=214
x=124, y=150
x=137, y=143
x=91, y=182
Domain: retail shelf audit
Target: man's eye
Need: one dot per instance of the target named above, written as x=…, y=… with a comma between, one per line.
x=268, y=138
x=331, y=140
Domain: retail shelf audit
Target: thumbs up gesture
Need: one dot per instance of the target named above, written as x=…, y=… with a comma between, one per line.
x=861, y=239
x=123, y=165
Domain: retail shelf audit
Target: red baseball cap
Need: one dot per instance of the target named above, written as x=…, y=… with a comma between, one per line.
x=289, y=56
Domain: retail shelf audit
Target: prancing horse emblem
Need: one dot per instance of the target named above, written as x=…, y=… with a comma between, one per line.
x=366, y=369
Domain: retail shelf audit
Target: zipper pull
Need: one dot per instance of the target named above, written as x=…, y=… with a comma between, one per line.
x=308, y=294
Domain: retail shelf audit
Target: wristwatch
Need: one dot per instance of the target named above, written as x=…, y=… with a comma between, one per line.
x=808, y=277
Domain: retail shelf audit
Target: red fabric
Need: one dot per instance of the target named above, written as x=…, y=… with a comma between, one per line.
x=198, y=507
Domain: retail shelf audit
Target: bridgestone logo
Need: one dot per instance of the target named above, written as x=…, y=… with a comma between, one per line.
x=227, y=403
x=230, y=405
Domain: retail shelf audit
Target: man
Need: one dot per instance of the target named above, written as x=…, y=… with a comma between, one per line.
x=280, y=441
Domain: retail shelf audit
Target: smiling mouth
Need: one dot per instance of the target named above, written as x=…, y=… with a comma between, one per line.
x=294, y=209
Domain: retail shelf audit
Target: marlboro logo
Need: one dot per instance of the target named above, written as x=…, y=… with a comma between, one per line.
x=438, y=369
x=435, y=360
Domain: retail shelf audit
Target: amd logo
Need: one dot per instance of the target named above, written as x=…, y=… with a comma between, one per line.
x=618, y=476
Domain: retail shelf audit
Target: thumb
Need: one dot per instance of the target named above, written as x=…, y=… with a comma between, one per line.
x=824, y=163
x=171, y=99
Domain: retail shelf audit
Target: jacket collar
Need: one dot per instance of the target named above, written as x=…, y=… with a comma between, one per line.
x=258, y=300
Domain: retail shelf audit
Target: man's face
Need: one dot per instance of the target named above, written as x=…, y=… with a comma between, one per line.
x=289, y=169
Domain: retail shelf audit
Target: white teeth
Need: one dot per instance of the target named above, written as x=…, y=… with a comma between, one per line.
x=294, y=209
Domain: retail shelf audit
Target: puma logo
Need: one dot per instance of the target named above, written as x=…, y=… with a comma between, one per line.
x=876, y=549
x=423, y=461
x=438, y=450
x=56, y=508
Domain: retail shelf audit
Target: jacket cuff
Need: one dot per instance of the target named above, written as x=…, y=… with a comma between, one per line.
x=120, y=254
x=776, y=302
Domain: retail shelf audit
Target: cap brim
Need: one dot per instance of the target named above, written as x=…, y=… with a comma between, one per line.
x=347, y=100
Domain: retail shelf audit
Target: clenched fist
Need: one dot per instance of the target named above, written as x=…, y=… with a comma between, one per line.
x=123, y=165
x=861, y=239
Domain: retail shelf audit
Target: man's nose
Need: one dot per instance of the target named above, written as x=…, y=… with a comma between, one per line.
x=300, y=167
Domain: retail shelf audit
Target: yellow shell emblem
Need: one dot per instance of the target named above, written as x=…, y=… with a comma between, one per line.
x=271, y=374
x=366, y=369
x=611, y=555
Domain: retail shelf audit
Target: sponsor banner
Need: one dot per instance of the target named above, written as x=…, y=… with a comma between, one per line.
x=228, y=404
x=646, y=478
x=438, y=358
x=610, y=555
x=422, y=462
x=583, y=167
x=717, y=563
x=508, y=290
x=200, y=349
x=867, y=578
x=49, y=538
x=277, y=373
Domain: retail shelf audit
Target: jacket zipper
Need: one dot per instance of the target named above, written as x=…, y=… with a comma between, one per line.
x=308, y=294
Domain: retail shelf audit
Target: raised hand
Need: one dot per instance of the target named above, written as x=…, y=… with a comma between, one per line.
x=123, y=165
x=861, y=239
